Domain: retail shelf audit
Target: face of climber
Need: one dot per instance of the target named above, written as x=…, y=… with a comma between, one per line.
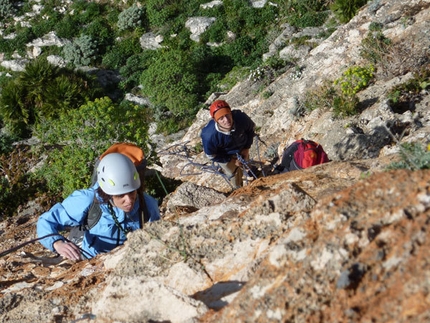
x=226, y=121
x=125, y=201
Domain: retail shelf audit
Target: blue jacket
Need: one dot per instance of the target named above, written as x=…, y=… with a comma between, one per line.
x=220, y=146
x=103, y=236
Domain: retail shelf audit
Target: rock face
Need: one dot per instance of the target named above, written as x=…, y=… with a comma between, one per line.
x=345, y=241
x=320, y=245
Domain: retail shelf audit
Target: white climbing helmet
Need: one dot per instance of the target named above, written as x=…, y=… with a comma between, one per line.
x=116, y=174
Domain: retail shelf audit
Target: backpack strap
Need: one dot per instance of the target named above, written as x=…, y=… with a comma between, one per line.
x=144, y=212
x=93, y=215
x=287, y=161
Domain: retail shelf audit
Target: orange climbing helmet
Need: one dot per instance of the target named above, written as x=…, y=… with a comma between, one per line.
x=218, y=109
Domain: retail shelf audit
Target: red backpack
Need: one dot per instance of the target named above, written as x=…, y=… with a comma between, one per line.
x=302, y=154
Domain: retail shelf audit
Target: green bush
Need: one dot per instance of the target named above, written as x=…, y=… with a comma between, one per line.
x=131, y=18
x=403, y=96
x=86, y=11
x=330, y=96
x=306, y=13
x=24, y=35
x=100, y=30
x=43, y=90
x=6, y=141
x=355, y=79
x=243, y=51
x=82, y=134
x=171, y=81
x=120, y=52
x=17, y=115
x=133, y=68
x=81, y=52
x=6, y=9
x=68, y=27
x=160, y=11
x=233, y=77
x=345, y=10
x=413, y=157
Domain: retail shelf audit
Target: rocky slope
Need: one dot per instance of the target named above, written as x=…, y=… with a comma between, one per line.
x=373, y=133
x=342, y=242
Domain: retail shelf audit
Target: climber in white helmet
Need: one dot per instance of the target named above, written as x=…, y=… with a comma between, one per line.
x=117, y=204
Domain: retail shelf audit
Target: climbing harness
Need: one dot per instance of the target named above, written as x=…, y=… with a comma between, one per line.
x=182, y=150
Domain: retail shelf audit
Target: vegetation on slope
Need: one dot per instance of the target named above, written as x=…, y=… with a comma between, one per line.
x=75, y=118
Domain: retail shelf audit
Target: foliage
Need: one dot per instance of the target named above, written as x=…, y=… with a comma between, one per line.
x=131, y=18
x=81, y=52
x=43, y=90
x=403, y=96
x=413, y=157
x=6, y=141
x=16, y=184
x=355, y=79
x=233, y=77
x=374, y=46
x=171, y=81
x=120, y=52
x=329, y=96
x=16, y=114
x=80, y=135
x=345, y=10
x=6, y=9
x=243, y=51
x=160, y=11
x=306, y=13
x=133, y=68
x=100, y=30
x=269, y=70
x=68, y=27
x=24, y=35
x=157, y=185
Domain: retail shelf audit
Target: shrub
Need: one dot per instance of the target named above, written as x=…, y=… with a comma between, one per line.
x=233, y=77
x=355, y=79
x=43, y=90
x=16, y=185
x=413, y=157
x=171, y=81
x=160, y=11
x=330, y=96
x=374, y=46
x=24, y=35
x=345, y=10
x=99, y=29
x=6, y=142
x=68, y=27
x=16, y=114
x=81, y=52
x=120, y=52
x=306, y=13
x=133, y=68
x=82, y=134
x=131, y=18
x=402, y=97
x=6, y=9
x=243, y=51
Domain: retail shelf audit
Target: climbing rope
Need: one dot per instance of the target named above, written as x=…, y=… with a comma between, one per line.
x=182, y=150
